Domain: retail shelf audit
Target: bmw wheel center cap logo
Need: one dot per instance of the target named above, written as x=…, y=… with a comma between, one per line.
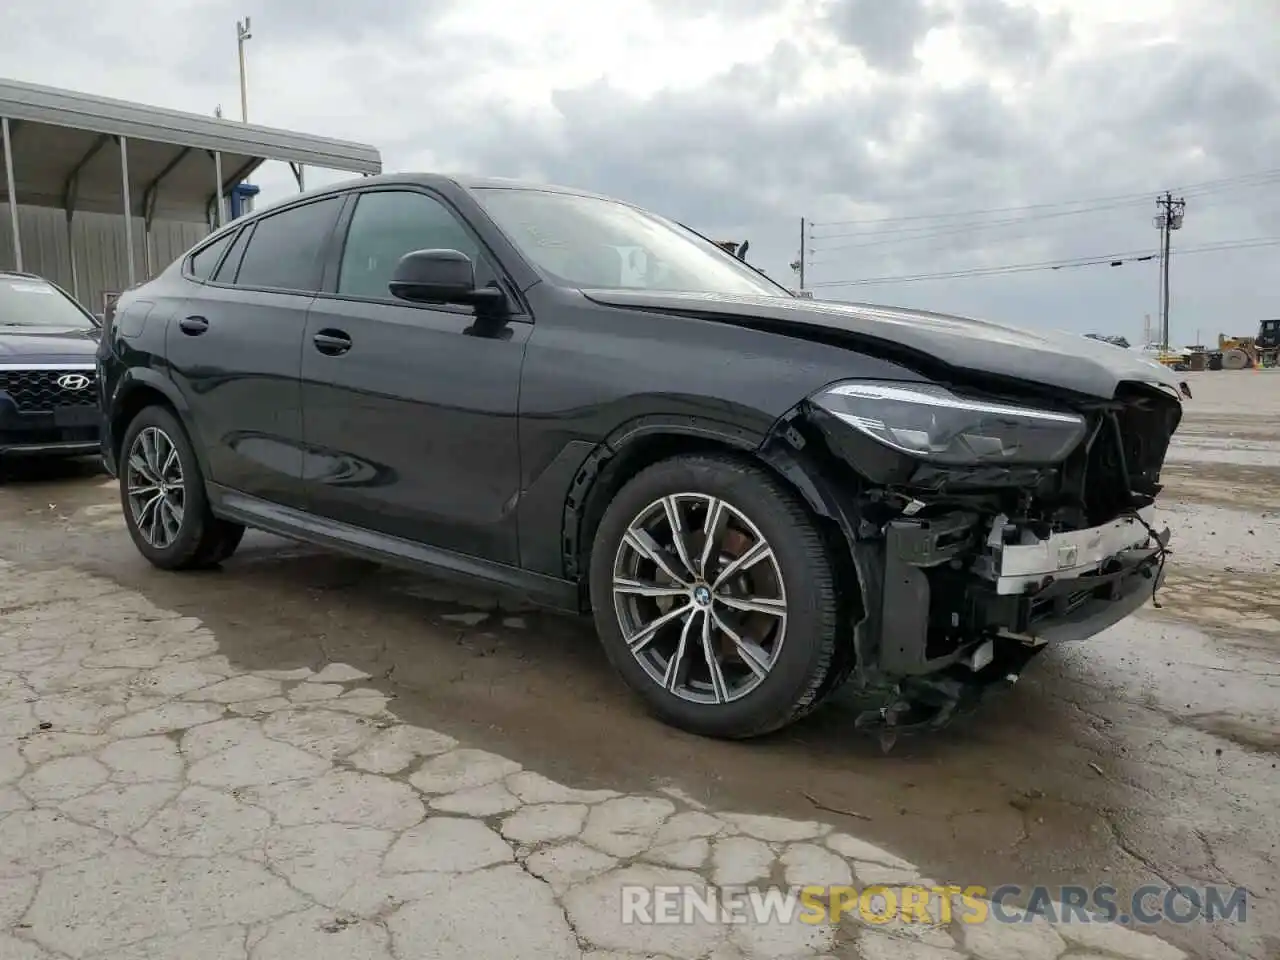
x=702, y=595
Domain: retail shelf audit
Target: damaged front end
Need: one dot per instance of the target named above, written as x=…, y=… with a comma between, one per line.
x=983, y=527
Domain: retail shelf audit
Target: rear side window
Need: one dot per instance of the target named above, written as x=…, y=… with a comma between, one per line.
x=231, y=263
x=285, y=250
x=203, y=261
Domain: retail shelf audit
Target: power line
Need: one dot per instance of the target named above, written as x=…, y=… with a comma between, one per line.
x=1110, y=259
x=1205, y=186
x=877, y=238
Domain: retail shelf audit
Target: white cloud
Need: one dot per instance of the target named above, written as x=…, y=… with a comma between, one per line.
x=740, y=117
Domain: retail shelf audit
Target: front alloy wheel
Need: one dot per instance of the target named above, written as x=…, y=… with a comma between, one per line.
x=714, y=596
x=155, y=487
x=700, y=598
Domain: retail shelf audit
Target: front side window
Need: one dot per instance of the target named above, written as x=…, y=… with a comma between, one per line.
x=204, y=261
x=588, y=242
x=385, y=226
x=30, y=302
x=285, y=250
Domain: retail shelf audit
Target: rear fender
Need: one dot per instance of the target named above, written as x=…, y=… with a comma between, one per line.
x=127, y=387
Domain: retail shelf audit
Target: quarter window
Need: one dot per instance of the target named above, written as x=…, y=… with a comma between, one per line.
x=285, y=250
x=388, y=224
x=203, y=261
x=231, y=263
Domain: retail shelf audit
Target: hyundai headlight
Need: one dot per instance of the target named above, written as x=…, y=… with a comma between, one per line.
x=932, y=423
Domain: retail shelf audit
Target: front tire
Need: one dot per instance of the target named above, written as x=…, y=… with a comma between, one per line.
x=730, y=629
x=162, y=491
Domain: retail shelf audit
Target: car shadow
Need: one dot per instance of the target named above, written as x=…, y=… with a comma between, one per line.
x=31, y=471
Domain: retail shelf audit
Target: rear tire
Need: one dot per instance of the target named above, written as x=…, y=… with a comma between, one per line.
x=770, y=622
x=162, y=492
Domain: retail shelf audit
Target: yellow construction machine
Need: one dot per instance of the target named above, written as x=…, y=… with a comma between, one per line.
x=1247, y=353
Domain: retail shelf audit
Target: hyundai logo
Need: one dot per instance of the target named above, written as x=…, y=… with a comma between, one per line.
x=73, y=381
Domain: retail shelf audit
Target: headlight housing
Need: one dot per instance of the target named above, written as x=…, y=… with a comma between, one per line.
x=930, y=423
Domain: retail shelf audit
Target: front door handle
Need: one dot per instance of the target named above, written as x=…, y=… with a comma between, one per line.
x=193, y=326
x=332, y=343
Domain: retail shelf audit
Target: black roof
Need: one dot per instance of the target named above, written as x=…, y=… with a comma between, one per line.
x=465, y=181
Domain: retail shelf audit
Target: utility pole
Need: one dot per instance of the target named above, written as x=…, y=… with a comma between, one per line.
x=1168, y=220
x=802, y=256
x=798, y=264
x=243, y=34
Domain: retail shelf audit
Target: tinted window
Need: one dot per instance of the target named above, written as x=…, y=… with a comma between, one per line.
x=284, y=252
x=227, y=269
x=203, y=261
x=387, y=225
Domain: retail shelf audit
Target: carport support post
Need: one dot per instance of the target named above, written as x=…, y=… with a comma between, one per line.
x=71, y=253
x=148, y=251
x=128, y=208
x=217, y=172
x=13, y=192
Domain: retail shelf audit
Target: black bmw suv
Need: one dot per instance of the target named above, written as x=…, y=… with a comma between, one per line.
x=759, y=497
x=48, y=396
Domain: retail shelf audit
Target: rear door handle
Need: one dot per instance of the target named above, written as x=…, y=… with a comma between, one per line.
x=332, y=342
x=193, y=326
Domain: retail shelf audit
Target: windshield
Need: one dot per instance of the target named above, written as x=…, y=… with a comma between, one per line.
x=589, y=243
x=31, y=302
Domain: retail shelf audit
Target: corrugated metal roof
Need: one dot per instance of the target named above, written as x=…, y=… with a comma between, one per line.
x=66, y=153
x=120, y=118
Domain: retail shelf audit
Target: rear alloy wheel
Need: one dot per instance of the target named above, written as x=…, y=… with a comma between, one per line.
x=162, y=491
x=155, y=488
x=714, y=597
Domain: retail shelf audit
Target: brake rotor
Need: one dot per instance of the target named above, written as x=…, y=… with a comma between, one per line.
x=752, y=626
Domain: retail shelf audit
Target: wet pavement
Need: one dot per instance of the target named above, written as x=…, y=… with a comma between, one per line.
x=1145, y=755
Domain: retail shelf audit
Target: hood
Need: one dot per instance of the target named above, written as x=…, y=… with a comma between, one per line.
x=1068, y=361
x=47, y=345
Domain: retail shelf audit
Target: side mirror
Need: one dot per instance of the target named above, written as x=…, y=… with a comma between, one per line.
x=442, y=276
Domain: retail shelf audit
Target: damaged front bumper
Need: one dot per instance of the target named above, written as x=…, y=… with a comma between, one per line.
x=945, y=604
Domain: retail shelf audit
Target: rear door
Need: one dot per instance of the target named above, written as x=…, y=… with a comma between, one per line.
x=235, y=349
x=410, y=409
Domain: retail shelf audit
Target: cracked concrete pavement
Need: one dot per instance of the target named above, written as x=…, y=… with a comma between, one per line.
x=159, y=801
x=302, y=754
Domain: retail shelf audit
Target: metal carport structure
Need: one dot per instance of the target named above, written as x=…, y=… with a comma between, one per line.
x=79, y=153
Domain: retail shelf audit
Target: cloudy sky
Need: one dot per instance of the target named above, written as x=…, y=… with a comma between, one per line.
x=918, y=137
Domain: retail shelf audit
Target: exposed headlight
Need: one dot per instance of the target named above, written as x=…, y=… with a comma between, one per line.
x=932, y=423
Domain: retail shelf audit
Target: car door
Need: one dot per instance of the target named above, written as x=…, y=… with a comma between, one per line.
x=409, y=409
x=235, y=350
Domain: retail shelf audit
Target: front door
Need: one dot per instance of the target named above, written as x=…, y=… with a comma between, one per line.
x=409, y=412
x=235, y=350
